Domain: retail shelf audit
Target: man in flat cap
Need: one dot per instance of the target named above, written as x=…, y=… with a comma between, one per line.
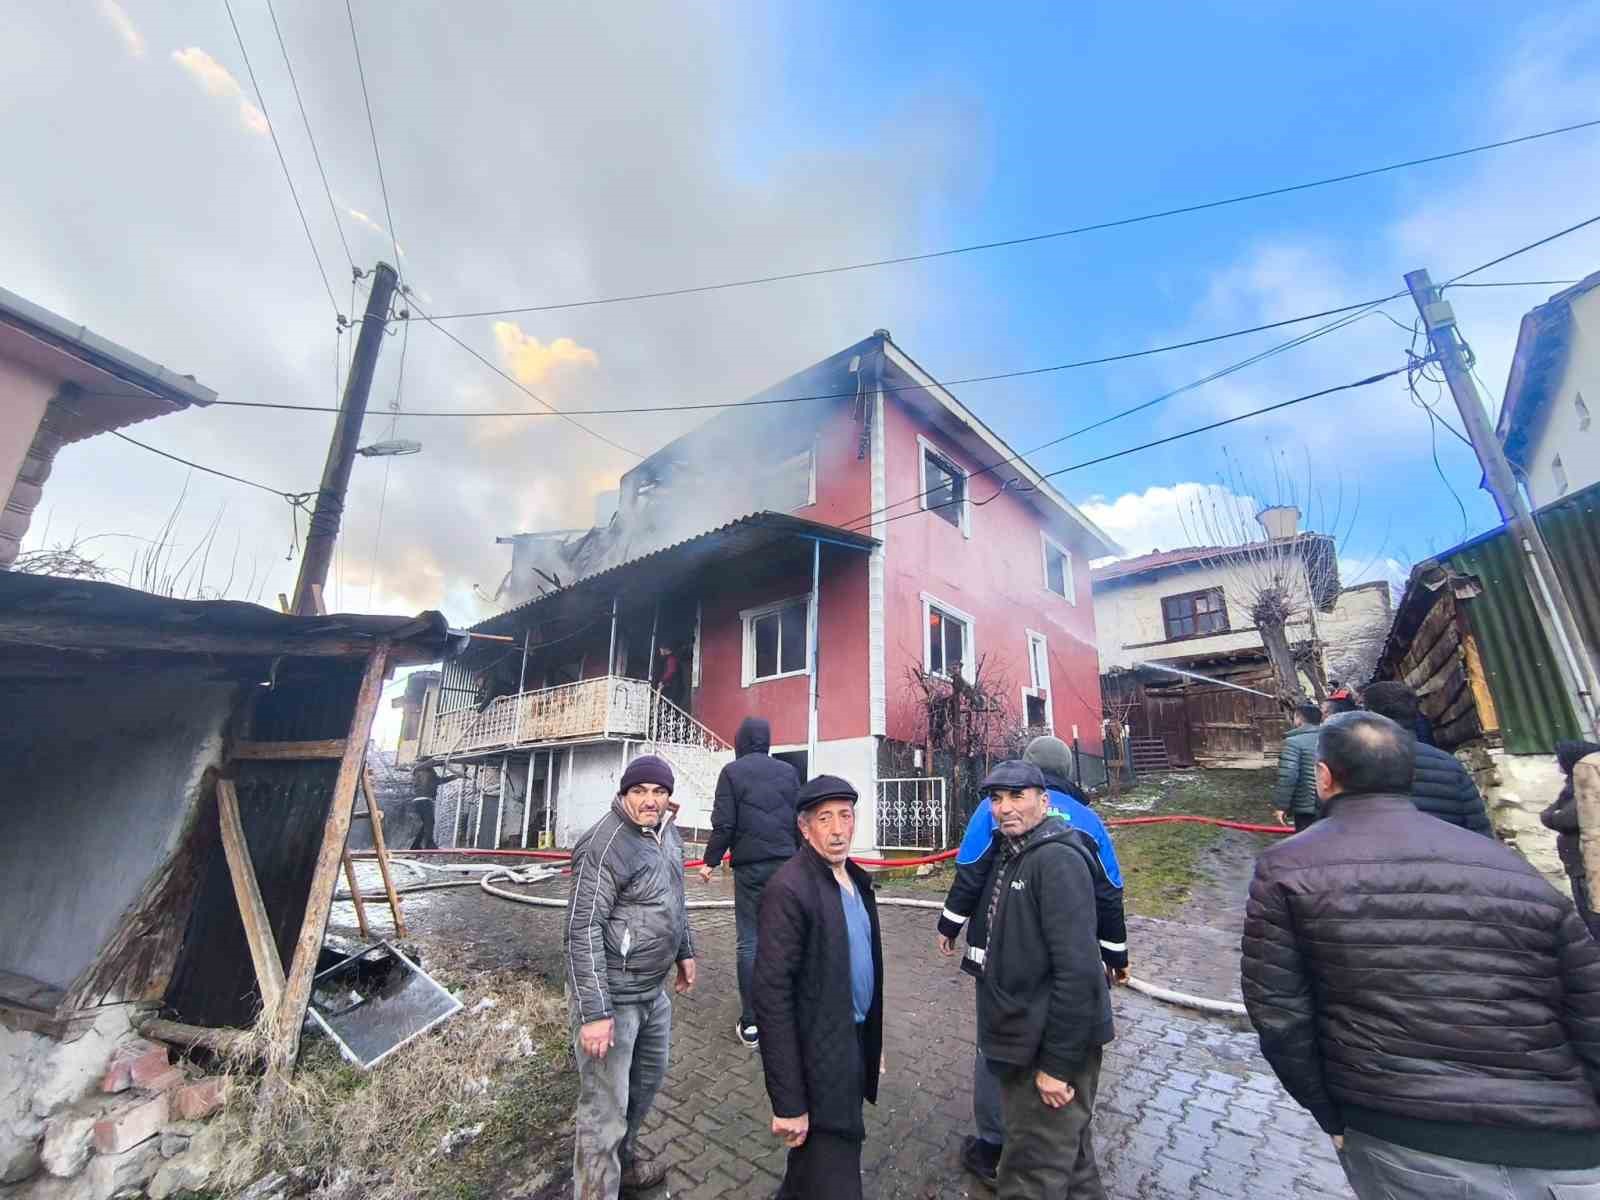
x=1044, y=1008
x=818, y=993
x=626, y=929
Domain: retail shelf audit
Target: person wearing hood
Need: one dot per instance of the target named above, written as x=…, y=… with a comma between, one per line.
x=626, y=928
x=1044, y=1004
x=1562, y=816
x=752, y=820
x=964, y=908
x=819, y=998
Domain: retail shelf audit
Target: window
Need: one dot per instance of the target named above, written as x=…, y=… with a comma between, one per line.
x=775, y=638
x=1558, y=472
x=791, y=483
x=1583, y=411
x=949, y=640
x=944, y=487
x=1058, y=569
x=1194, y=614
x=1036, y=696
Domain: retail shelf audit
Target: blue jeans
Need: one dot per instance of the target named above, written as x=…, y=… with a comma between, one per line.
x=615, y=1094
x=748, y=884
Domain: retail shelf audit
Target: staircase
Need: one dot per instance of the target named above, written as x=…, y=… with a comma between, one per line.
x=697, y=756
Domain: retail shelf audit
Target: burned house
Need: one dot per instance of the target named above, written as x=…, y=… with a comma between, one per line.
x=826, y=556
x=180, y=780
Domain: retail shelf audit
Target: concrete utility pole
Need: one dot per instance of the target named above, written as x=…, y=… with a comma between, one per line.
x=1550, y=601
x=325, y=518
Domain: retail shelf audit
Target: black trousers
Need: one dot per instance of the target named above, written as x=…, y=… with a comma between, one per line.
x=827, y=1167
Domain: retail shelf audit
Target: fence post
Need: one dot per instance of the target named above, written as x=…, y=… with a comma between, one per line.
x=1127, y=757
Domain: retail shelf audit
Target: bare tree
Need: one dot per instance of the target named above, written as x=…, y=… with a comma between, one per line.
x=65, y=560
x=1119, y=696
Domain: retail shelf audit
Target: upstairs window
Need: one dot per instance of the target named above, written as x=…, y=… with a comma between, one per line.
x=775, y=638
x=1058, y=569
x=949, y=646
x=1036, y=696
x=1194, y=614
x=944, y=487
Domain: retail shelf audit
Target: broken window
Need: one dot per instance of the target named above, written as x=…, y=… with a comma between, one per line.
x=1058, y=569
x=1036, y=696
x=792, y=483
x=775, y=640
x=1194, y=614
x=944, y=488
x=947, y=642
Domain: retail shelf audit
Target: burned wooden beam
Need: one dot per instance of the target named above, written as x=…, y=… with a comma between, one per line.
x=280, y=751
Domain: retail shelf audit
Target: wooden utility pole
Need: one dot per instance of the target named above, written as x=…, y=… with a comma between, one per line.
x=1549, y=596
x=325, y=518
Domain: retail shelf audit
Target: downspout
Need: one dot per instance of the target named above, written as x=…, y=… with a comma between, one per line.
x=812, y=655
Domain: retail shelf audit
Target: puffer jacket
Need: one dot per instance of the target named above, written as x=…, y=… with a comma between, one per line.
x=1443, y=788
x=626, y=920
x=1425, y=985
x=1296, y=792
x=753, y=814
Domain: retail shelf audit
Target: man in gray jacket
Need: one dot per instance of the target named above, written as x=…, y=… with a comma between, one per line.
x=626, y=927
x=1296, y=793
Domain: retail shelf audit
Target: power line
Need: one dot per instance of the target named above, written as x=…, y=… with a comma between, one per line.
x=296, y=498
x=1517, y=283
x=333, y=209
x=760, y=402
x=1495, y=262
x=1074, y=231
x=282, y=162
x=372, y=129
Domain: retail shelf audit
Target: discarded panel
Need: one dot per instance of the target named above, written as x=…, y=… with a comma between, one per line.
x=374, y=1002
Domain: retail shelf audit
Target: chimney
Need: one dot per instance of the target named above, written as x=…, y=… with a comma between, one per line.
x=1280, y=521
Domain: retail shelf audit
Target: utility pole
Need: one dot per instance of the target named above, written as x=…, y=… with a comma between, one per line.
x=1549, y=596
x=325, y=518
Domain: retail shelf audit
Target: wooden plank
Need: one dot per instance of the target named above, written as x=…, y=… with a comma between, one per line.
x=252, y=911
x=1478, y=681
x=297, y=992
x=375, y=814
x=59, y=633
x=1445, y=648
x=355, y=891
x=175, y=1033
x=1440, y=616
x=327, y=748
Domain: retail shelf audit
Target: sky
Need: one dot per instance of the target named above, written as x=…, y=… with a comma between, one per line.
x=537, y=154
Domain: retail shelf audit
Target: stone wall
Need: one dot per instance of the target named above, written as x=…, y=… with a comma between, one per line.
x=1517, y=788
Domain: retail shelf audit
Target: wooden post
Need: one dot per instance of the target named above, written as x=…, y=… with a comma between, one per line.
x=378, y=844
x=1586, y=796
x=355, y=893
x=246, y=890
x=303, y=965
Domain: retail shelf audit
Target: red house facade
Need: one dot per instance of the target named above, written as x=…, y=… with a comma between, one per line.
x=829, y=556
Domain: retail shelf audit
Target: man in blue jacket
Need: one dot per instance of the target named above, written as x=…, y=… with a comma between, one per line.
x=980, y=1154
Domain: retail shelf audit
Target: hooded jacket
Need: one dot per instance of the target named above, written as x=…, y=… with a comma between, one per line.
x=1296, y=792
x=1043, y=1000
x=1426, y=986
x=626, y=920
x=753, y=814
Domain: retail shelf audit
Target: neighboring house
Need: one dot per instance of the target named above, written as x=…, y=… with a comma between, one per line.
x=1466, y=636
x=413, y=703
x=1190, y=609
x=822, y=563
x=1552, y=396
x=59, y=384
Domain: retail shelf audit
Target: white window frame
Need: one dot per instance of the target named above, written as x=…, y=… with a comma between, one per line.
x=969, y=643
x=1047, y=544
x=925, y=448
x=1035, y=689
x=811, y=481
x=748, y=618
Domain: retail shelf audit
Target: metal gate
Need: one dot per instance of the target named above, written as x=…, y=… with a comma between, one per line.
x=911, y=814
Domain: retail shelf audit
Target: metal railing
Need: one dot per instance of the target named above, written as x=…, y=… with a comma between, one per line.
x=608, y=706
x=911, y=814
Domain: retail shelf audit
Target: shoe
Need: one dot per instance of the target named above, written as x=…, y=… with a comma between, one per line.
x=749, y=1035
x=981, y=1158
x=643, y=1173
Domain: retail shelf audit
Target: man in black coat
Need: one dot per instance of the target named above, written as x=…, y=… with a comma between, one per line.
x=752, y=820
x=1442, y=787
x=1423, y=992
x=818, y=994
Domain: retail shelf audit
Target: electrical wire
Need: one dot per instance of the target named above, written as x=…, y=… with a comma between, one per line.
x=1073, y=231
x=282, y=162
x=295, y=498
x=1455, y=281
x=1517, y=283
x=372, y=129
x=333, y=209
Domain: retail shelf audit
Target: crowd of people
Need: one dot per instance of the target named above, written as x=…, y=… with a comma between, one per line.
x=1421, y=990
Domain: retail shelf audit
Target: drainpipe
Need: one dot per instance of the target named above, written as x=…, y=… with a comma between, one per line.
x=812, y=655
x=611, y=654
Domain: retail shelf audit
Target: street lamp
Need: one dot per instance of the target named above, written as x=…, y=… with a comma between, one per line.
x=389, y=449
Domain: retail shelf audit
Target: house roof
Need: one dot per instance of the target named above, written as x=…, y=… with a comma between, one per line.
x=1543, y=342
x=1315, y=546
x=1140, y=563
x=114, y=386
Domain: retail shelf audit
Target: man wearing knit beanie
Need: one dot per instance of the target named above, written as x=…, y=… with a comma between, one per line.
x=626, y=928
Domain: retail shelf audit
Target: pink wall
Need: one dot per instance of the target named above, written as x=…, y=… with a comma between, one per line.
x=996, y=576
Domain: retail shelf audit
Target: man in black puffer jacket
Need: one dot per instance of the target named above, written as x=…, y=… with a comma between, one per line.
x=753, y=817
x=1423, y=992
x=1442, y=788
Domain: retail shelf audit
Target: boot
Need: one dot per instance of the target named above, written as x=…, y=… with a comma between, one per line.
x=641, y=1173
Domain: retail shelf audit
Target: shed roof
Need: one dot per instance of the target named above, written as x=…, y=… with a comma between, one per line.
x=1543, y=341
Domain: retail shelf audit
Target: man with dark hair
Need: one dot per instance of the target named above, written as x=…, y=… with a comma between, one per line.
x=818, y=993
x=1296, y=793
x=1423, y=992
x=1442, y=788
x=626, y=928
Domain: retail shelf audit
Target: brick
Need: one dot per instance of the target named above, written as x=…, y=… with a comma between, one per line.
x=121, y=1131
x=150, y=1066
x=119, y=1071
x=170, y=1078
x=197, y=1101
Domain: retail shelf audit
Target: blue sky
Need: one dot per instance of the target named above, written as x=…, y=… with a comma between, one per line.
x=566, y=152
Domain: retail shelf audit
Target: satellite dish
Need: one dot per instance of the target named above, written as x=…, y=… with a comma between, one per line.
x=390, y=449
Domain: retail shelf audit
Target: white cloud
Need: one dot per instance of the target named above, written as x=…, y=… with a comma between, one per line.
x=123, y=24
x=218, y=81
x=1168, y=518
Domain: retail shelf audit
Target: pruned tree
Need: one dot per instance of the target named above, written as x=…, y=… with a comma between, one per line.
x=1119, y=696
